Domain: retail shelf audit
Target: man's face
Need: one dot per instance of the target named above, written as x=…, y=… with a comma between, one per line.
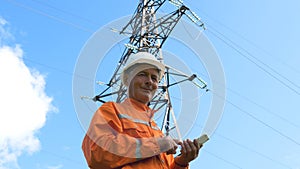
x=143, y=86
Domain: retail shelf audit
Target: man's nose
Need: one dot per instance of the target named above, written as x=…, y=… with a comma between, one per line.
x=149, y=79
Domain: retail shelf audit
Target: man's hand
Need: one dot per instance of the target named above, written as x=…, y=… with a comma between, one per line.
x=173, y=150
x=189, y=151
x=168, y=144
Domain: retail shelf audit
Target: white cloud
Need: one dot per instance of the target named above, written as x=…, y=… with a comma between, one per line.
x=5, y=35
x=24, y=104
x=2, y=21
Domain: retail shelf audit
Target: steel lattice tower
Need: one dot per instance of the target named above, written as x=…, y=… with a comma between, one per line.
x=148, y=33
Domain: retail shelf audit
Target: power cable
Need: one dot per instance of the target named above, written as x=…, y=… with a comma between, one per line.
x=235, y=47
x=259, y=66
x=254, y=151
x=50, y=16
x=246, y=98
x=249, y=54
x=57, y=69
x=65, y=12
x=222, y=159
x=258, y=120
x=247, y=40
x=247, y=148
x=263, y=108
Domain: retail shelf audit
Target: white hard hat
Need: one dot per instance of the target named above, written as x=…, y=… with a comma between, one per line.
x=142, y=58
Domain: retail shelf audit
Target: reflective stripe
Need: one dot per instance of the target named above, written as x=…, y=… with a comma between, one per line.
x=138, y=153
x=125, y=116
x=155, y=128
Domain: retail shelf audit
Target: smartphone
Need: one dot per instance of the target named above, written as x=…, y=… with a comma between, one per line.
x=202, y=139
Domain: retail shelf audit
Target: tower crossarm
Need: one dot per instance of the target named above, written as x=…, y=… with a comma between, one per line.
x=147, y=8
x=149, y=34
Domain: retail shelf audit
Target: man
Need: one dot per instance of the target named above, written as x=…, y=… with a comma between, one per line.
x=124, y=135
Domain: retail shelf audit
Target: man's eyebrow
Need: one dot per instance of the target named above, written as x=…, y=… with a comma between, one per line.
x=148, y=73
x=142, y=71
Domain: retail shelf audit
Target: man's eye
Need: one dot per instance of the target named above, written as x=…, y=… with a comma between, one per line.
x=154, y=79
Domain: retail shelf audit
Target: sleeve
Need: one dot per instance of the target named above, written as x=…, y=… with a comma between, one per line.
x=174, y=165
x=105, y=146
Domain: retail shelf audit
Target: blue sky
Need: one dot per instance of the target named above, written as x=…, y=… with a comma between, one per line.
x=257, y=44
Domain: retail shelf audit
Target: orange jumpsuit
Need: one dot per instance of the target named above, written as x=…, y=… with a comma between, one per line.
x=124, y=136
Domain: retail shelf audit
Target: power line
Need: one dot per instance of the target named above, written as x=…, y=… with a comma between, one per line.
x=249, y=54
x=65, y=12
x=57, y=69
x=246, y=98
x=50, y=16
x=247, y=148
x=248, y=41
x=254, y=151
x=259, y=66
x=222, y=159
x=233, y=45
x=263, y=108
x=258, y=120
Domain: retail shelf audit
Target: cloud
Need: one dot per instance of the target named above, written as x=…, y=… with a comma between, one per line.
x=5, y=35
x=24, y=104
